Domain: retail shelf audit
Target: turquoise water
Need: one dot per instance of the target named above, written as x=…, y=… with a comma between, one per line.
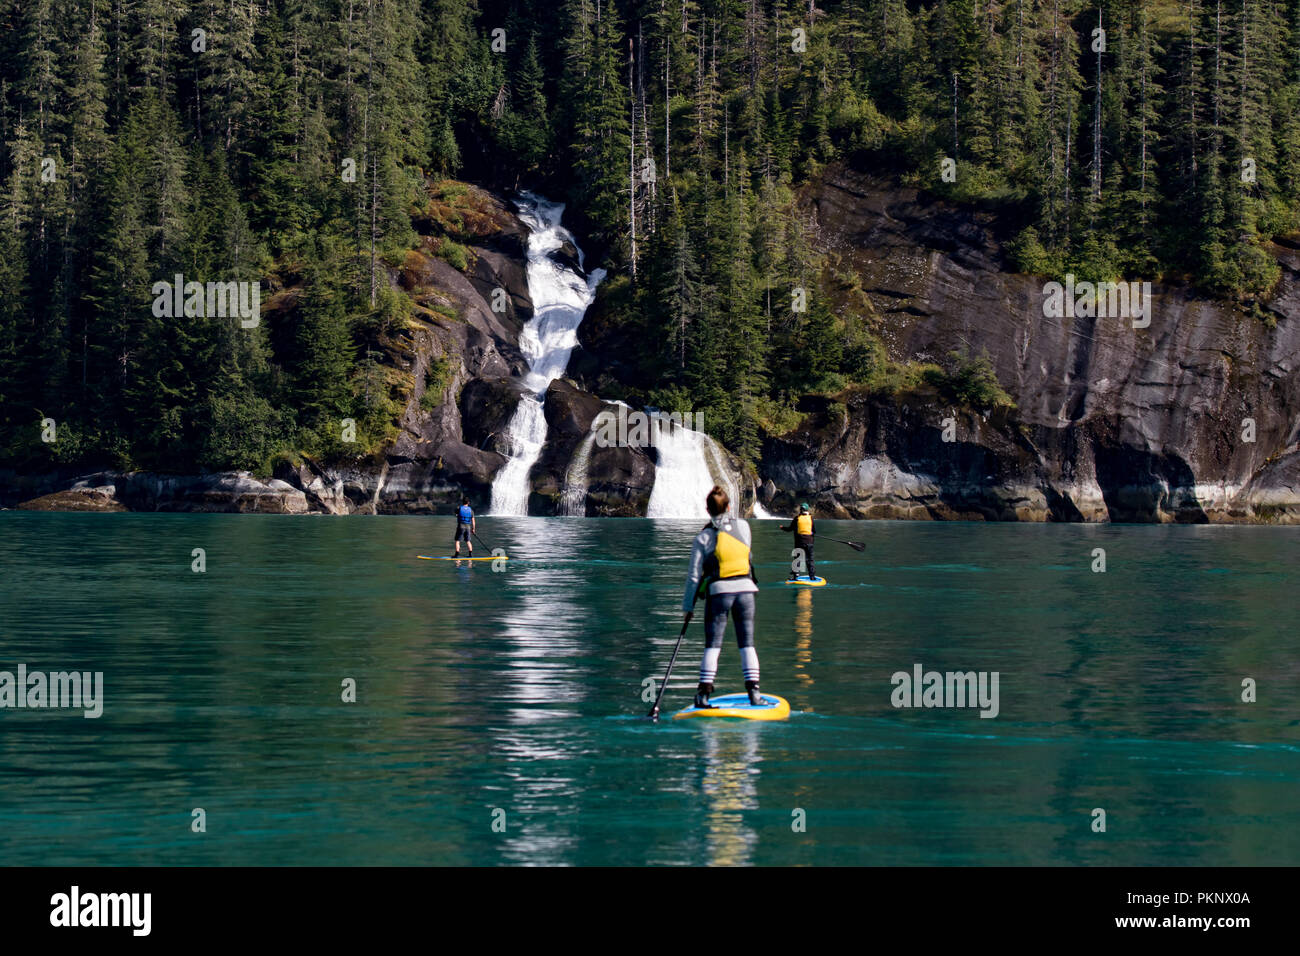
x=516, y=695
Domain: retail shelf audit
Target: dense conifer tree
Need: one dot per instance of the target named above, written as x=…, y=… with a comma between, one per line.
x=290, y=142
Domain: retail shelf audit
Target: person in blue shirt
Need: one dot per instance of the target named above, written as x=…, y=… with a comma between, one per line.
x=464, y=526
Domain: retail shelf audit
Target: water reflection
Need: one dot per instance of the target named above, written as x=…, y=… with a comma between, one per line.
x=803, y=637
x=542, y=643
x=521, y=689
x=731, y=758
x=544, y=635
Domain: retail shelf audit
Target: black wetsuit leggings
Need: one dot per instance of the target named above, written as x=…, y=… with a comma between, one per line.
x=806, y=542
x=740, y=607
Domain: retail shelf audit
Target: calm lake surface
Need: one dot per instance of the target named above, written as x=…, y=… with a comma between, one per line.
x=520, y=690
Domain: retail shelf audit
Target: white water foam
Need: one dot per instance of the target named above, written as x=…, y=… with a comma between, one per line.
x=573, y=503
x=689, y=465
x=560, y=297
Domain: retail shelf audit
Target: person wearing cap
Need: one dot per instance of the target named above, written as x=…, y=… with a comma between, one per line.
x=804, y=529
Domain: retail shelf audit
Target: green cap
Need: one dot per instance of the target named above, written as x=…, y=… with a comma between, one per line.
x=803, y=506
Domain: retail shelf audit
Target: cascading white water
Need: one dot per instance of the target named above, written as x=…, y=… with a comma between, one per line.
x=718, y=468
x=560, y=297
x=689, y=465
x=573, y=503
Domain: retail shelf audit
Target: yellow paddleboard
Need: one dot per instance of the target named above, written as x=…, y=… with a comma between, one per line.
x=808, y=582
x=428, y=557
x=738, y=705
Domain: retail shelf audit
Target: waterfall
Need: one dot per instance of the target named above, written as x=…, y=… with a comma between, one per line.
x=573, y=504
x=560, y=297
x=689, y=464
x=717, y=465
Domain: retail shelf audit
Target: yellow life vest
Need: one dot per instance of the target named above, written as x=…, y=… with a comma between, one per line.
x=803, y=524
x=732, y=556
x=728, y=559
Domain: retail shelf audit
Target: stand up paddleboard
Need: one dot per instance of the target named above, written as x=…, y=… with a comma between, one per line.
x=428, y=557
x=738, y=705
x=808, y=582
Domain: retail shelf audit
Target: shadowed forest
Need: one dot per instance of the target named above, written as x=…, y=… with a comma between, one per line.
x=293, y=143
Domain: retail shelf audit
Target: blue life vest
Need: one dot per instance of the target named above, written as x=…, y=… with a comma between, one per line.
x=466, y=514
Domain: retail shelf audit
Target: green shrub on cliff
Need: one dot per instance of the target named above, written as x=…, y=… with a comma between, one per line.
x=454, y=253
x=969, y=381
x=435, y=383
x=869, y=367
x=777, y=419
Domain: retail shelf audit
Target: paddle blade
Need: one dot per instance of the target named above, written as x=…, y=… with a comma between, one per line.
x=856, y=546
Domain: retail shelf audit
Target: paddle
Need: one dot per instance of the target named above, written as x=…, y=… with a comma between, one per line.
x=855, y=545
x=481, y=541
x=654, y=711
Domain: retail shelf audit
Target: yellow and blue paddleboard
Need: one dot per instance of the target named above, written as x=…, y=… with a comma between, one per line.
x=738, y=705
x=428, y=557
x=808, y=582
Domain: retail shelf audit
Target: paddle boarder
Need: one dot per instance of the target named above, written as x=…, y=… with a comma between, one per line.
x=464, y=526
x=722, y=568
x=804, y=529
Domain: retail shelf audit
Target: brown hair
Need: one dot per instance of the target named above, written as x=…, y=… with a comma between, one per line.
x=718, y=501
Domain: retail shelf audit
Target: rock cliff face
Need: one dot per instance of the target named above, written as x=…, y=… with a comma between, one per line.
x=1112, y=422
x=454, y=343
x=618, y=479
x=458, y=345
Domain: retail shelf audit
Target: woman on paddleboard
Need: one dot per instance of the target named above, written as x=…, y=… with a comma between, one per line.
x=722, y=568
x=464, y=525
x=804, y=529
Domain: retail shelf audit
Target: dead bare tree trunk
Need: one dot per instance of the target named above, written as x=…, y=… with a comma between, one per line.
x=1096, y=125
x=631, y=167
